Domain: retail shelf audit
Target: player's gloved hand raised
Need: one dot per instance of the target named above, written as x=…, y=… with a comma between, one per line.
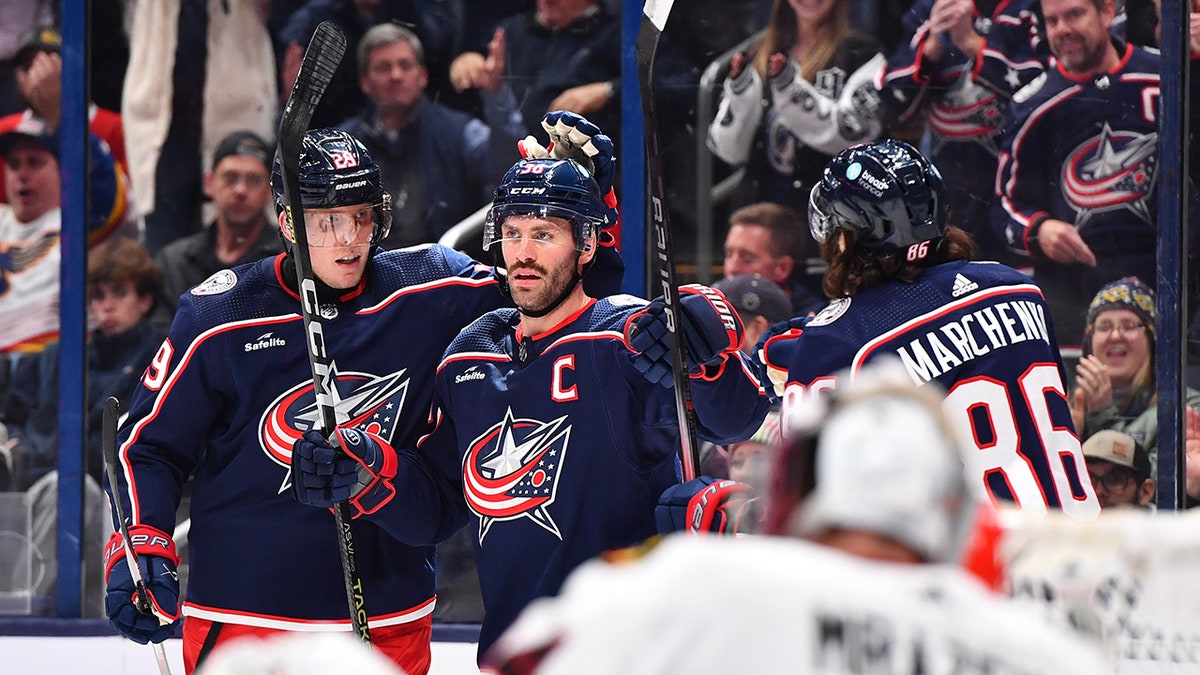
x=708, y=504
x=773, y=352
x=711, y=331
x=574, y=137
x=352, y=465
x=157, y=563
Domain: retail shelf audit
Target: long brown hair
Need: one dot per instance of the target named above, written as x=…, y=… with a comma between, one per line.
x=851, y=272
x=783, y=33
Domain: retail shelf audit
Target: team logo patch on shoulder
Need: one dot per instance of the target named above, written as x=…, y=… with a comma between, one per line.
x=832, y=312
x=217, y=283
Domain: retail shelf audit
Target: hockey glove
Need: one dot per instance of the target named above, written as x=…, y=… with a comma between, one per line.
x=356, y=466
x=711, y=331
x=773, y=353
x=573, y=137
x=157, y=562
x=707, y=504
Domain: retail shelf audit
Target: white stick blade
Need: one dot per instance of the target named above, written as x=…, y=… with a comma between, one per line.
x=657, y=11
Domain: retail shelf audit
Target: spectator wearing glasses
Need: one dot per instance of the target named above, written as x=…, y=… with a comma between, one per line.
x=1120, y=470
x=239, y=186
x=1114, y=381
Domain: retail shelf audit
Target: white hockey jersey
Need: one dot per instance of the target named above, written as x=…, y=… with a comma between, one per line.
x=776, y=605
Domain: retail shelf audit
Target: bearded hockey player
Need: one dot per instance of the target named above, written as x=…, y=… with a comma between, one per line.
x=902, y=285
x=556, y=428
x=230, y=391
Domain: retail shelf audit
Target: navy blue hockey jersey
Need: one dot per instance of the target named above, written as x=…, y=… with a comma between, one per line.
x=966, y=103
x=1085, y=151
x=981, y=330
x=559, y=446
x=229, y=392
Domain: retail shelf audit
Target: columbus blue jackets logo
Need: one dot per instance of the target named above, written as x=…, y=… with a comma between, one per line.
x=361, y=400
x=511, y=471
x=970, y=113
x=1111, y=171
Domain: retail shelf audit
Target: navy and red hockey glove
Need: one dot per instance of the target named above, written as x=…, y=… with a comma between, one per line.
x=572, y=136
x=157, y=563
x=773, y=353
x=357, y=467
x=711, y=331
x=707, y=504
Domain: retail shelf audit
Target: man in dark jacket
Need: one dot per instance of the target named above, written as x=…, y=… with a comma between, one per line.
x=439, y=164
x=239, y=186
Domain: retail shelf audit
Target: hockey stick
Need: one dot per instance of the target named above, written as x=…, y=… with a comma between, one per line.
x=324, y=52
x=654, y=18
x=108, y=437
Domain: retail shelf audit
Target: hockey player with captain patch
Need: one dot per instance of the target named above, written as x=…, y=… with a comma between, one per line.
x=556, y=427
x=230, y=391
x=903, y=286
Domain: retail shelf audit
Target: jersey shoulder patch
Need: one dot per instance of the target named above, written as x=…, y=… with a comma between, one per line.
x=218, y=283
x=832, y=312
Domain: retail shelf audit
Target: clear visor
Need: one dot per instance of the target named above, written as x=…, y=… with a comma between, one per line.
x=542, y=225
x=820, y=222
x=345, y=226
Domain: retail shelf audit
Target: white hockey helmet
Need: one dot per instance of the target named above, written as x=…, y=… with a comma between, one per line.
x=881, y=456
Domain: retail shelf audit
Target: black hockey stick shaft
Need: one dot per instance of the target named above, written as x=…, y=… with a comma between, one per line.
x=654, y=19
x=108, y=439
x=321, y=58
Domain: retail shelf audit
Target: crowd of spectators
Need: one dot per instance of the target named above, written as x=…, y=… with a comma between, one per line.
x=1040, y=116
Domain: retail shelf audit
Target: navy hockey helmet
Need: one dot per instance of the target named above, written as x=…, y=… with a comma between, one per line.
x=886, y=191
x=560, y=188
x=337, y=170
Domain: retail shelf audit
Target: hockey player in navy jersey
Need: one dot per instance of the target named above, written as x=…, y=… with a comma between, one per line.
x=231, y=389
x=1079, y=165
x=556, y=428
x=903, y=285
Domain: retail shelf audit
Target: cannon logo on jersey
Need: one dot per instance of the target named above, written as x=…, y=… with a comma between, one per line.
x=360, y=400
x=217, y=283
x=1111, y=171
x=968, y=113
x=511, y=471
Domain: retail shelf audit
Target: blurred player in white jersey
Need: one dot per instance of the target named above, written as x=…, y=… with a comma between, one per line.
x=870, y=504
